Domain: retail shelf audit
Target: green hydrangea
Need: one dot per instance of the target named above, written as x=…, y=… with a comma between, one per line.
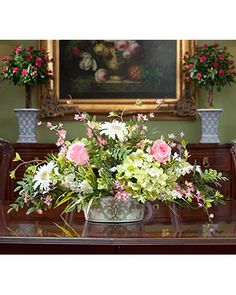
x=146, y=179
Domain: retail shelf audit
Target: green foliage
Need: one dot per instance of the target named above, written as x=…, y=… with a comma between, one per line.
x=26, y=66
x=209, y=66
x=17, y=158
x=13, y=174
x=151, y=76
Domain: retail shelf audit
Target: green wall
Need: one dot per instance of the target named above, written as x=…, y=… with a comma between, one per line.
x=13, y=97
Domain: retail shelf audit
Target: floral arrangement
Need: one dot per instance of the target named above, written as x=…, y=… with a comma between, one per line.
x=117, y=159
x=210, y=66
x=26, y=67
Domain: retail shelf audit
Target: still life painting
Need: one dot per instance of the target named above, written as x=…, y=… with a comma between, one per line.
x=117, y=68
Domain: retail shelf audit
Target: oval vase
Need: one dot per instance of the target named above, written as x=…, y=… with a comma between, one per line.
x=109, y=209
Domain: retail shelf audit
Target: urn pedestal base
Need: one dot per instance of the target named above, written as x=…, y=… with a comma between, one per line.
x=209, y=125
x=27, y=122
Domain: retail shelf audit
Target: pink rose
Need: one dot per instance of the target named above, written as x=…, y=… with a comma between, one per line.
x=121, y=45
x=4, y=58
x=160, y=151
x=101, y=75
x=202, y=58
x=199, y=75
x=221, y=56
x=134, y=47
x=31, y=48
x=221, y=72
x=24, y=72
x=215, y=64
x=15, y=70
x=18, y=49
x=190, y=66
x=77, y=153
x=38, y=62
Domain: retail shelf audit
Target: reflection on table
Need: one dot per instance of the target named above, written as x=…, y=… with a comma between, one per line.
x=164, y=228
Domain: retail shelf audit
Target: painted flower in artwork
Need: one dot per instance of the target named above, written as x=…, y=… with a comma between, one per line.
x=104, y=64
x=106, y=58
x=101, y=75
x=87, y=62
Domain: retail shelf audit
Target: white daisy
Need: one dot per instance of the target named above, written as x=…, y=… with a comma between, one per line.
x=42, y=177
x=113, y=129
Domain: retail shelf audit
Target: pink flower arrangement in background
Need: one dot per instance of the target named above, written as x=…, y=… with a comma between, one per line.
x=26, y=67
x=210, y=67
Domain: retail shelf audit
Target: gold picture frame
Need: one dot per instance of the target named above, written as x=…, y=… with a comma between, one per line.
x=180, y=106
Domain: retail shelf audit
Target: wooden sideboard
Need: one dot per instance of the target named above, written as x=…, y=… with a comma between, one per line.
x=219, y=157
x=216, y=156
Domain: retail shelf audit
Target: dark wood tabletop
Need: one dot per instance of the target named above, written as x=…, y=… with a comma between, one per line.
x=184, y=232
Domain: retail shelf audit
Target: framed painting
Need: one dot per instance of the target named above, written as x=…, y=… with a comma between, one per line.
x=110, y=75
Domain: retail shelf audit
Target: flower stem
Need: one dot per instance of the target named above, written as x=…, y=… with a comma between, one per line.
x=28, y=103
x=210, y=97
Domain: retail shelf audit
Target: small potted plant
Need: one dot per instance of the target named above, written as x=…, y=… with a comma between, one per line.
x=210, y=67
x=28, y=68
